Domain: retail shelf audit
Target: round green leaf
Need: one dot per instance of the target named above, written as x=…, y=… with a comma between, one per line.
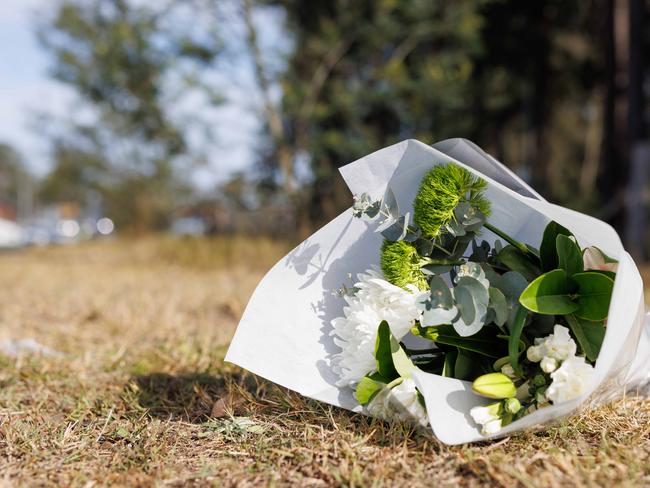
x=569, y=255
x=594, y=295
x=549, y=294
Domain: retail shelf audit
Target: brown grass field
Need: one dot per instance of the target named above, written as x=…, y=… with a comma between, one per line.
x=133, y=397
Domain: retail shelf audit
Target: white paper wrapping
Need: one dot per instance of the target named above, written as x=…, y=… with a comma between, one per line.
x=284, y=334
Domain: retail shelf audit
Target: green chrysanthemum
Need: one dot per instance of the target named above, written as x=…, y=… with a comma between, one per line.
x=442, y=188
x=401, y=263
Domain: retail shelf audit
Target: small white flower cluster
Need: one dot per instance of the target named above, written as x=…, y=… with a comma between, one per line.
x=552, y=349
x=570, y=374
x=400, y=403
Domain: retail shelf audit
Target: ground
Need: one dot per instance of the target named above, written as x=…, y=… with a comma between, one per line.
x=134, y=389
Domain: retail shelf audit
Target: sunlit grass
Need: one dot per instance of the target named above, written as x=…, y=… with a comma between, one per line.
x=143, y=327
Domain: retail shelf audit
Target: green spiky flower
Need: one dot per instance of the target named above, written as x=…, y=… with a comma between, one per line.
x=442, y=188
x=401, y=263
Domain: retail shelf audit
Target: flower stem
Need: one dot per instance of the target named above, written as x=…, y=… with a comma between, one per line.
x=395, y=382
x=510, y=240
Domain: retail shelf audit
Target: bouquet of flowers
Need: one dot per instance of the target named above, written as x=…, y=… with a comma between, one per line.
x=478, y=311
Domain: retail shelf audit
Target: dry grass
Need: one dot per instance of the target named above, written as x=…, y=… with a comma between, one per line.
x=143, y=327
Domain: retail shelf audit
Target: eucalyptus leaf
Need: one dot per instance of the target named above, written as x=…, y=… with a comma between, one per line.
x=397, y=230
x=424, y=247
x=569, y=255
x=548, y=248
x=549, y=294
x=471, y=295
x=465, y=303
x=512, y=284
x=594, y=295
x=413, y=233
x=389, y=204
x=455, y=229
x=435, y=269
x=589, y=335
x=365, y=208
x=499, y=305
x=440, y=295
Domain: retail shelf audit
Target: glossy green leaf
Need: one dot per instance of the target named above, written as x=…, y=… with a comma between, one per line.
x=589, y=334
x=483, y=342
x=402, y=363
x=569, y=255
x=464, y=367
x=515, y=336
x=517, y=261
x=548, y=249
x=450, y=362
x=366, y=390
x=594, y=295
x=549, y=294
x=383, y=352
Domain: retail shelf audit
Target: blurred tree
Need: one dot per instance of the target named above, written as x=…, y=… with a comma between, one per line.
x=16, y=182
x=129, y=63
x=521, y=79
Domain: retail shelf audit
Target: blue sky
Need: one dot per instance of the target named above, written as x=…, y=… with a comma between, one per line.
x=26, y=90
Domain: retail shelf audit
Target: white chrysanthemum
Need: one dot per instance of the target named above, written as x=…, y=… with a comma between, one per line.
x=400, y=403
x=559, y=346
x=570, y=380
x=355, y=333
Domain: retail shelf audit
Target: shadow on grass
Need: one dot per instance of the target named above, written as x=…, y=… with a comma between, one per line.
x=185, y=397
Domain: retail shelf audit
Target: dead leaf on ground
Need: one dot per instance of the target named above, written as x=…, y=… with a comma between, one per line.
x=226, y=405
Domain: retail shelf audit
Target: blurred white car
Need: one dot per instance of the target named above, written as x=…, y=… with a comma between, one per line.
x=12, y=235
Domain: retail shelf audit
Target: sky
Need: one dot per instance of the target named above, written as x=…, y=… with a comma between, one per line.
x=26, y=90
